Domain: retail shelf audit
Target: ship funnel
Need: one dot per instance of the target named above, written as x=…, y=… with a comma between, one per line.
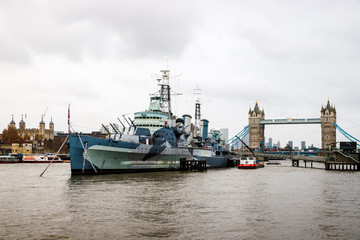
x=204, y=126
x=187, y=124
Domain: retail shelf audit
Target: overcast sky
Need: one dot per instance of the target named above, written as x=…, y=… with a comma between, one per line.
x=101, y=57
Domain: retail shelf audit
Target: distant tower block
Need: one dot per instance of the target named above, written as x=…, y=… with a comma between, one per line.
x=328, y=130
x=256, y=130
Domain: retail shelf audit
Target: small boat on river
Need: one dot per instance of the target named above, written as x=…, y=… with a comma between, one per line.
x=8, y=159
x=249, y=163
x=41, y=159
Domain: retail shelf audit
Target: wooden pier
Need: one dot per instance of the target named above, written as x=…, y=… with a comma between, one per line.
x=192, y=165
x=331, y=165
x=335, y=161
x=343, y=166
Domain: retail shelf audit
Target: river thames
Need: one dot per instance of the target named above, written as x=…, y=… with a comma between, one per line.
x=276, y=202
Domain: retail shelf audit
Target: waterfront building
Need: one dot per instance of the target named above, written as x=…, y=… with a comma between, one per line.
x=270, y=142
x=303, y=145
x=224, y=134
x=40, y=133
x=26, y=140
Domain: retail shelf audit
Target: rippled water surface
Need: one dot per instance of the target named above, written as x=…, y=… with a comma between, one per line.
x=276, y=202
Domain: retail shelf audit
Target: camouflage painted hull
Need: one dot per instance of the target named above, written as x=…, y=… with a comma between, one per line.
x=109, y=156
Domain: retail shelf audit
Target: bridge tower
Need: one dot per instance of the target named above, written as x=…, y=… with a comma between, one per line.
x=256, y=130
x=328, y=130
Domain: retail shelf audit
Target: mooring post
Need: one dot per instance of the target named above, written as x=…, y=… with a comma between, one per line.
x=183, y=164
x=295, y=163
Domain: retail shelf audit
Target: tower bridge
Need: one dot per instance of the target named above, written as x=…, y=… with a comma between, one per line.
x=257, y=124
x=347, y=158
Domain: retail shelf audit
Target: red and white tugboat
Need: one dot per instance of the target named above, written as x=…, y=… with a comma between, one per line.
x=249, y=163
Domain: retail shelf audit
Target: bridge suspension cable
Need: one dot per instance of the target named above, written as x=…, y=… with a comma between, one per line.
x=243, y=133
x=347, y=135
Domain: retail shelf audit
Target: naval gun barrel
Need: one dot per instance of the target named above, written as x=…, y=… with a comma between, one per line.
x=114, y=128
x=107, y=130
x=122, y=124
x=129, y=125
x=127, y=122
x=132, y=122
x=118, y=131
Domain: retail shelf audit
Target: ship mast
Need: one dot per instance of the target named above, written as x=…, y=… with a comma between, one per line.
x=197, y=91
x=165, y=92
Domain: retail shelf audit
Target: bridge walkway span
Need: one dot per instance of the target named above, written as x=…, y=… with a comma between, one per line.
x=293, y=157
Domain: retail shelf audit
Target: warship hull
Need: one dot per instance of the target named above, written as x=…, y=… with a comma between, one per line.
x=110, y=156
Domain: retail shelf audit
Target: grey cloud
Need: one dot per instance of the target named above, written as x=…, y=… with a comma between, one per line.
x=77, y=29
x=289, y=55
x=309, y=31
